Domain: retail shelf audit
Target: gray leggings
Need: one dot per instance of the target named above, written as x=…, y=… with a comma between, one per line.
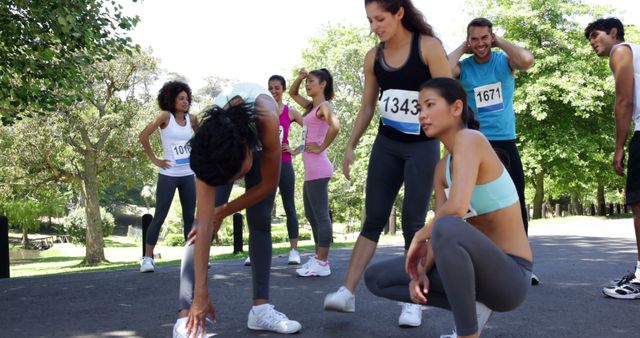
x=287, y=187
x=393, y=163
x=165, y=190
x=468, y=267
x=260, y=250
x=315, y=194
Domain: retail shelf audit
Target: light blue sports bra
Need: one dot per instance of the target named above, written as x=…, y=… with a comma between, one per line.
x=491, y=196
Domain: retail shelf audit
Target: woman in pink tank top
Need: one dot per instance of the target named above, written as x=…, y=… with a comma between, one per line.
x=320, y=129
x=286, y=185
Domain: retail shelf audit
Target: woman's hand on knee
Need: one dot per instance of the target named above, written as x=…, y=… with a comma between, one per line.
x=418, y=289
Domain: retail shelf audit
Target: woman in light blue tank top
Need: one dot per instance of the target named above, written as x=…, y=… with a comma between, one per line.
x=474, y=266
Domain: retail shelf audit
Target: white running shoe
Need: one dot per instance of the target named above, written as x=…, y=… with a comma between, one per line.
x=411, y=315
x=294, y=257
x=147, y=265
x=268, y=319
x=311, y=260
x=483, y=313
x=342, y=301
x=247, y=262
x=317, y=268
x=180, y=329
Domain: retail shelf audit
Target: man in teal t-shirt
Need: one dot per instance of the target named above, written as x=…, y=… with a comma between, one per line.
x=487, y=77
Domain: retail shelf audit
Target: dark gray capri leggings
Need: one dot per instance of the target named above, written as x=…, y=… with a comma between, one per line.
x=260, y=250
x=393, y=163
x=166, y=188
x=315, y=194
x=468, y=267
x=287, y=187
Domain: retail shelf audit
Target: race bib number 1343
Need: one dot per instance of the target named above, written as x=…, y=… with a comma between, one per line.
x=400, y=109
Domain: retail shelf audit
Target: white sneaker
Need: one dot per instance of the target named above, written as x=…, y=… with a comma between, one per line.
x=247, y=262
x=180, y=329
x=268, y=319
x=317, y=268
x=294, y=257
x=411, y=315
x=311, y=260
x=342, y=301
x=147, y=265
x=483, y=313
x=535, y=280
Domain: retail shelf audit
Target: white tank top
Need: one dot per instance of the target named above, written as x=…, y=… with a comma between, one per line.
x=635, y=51
x=174, y=144
x=246, y=90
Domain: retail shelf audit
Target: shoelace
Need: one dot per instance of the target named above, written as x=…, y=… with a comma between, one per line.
x=626, y=279
x=408, y=307
x=271, y=317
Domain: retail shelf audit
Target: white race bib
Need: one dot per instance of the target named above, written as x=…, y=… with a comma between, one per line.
x=181, y=153
x=303, y=138
x=489, y=98
x=281, y=134
x=470, y=213
x=400, y=110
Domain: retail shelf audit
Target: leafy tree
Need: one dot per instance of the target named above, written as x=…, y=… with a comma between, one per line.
x=90, y=144
x=46, y=45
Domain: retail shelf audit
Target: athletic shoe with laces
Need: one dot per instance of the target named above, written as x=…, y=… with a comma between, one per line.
x=247, y=262
x=483, y=313
x=294, y=257
x=268, y=319
x=411, y=315
x=311, y=260
x=317, y=268
x=341, y=301
x=180, y=329
x=628, y=287
x=147, y=265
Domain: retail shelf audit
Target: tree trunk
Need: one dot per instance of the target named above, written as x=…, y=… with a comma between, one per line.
x=538, y=198
x=25, y=237
x=95, y=243
x=602, y=208
x=576, y=207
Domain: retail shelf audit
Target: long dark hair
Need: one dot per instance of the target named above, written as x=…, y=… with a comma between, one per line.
x=452, y=91
x=323, y=75
x=218, y=148
x=413, y=20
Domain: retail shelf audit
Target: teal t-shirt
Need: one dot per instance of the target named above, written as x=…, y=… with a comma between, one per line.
x=490, y=88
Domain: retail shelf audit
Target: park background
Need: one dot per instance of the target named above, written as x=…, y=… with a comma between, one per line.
x=80, y=80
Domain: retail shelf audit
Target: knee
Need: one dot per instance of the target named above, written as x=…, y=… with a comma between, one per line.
x=444, y=231
x=371, y=230
x=371, y=276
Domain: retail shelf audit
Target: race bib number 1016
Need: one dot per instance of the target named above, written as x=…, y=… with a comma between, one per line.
x=181, y=152
x=400, y=109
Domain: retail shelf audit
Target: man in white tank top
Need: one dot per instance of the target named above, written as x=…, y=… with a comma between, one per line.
x=606, y=36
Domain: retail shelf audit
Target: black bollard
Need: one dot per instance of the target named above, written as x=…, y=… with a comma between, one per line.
x=4, y=247
x=610, y=209
x=146, y=220
x=237, y=232
x=626, y=209
x=618, y=208
x=593, y=210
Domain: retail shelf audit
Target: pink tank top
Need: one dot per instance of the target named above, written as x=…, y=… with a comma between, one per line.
x=285, y=123
x=316, y=166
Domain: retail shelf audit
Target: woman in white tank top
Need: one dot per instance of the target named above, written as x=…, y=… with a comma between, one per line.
x=176, y=128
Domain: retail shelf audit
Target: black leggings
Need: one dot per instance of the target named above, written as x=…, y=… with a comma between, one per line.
x=508, y=154
x=165, y=189
x=468, y=267
x=287, y=187
x=393, y=163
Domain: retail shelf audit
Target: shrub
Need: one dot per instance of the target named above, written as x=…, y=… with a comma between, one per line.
x=174, y=240
x=75, y=224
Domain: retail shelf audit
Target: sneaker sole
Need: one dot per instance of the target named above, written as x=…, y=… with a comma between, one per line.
x=616, y=295
x=337, y=308
x=409, y=325
x=293, y=263
x=313, y=275
x=258, y=328
x=147, y=270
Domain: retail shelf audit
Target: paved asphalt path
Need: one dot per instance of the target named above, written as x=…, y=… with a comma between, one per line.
x=574, y=262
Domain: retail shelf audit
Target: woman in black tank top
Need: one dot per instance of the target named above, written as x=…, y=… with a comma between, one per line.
x=408, y=55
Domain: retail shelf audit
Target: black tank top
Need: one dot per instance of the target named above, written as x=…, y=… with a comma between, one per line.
x=408, y=77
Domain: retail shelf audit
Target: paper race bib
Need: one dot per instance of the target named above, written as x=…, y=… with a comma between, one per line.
x=489, y=98
x=400, y=110
x=470, y=213
x=181, y=153
x=281, y=130
x=303, y=137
